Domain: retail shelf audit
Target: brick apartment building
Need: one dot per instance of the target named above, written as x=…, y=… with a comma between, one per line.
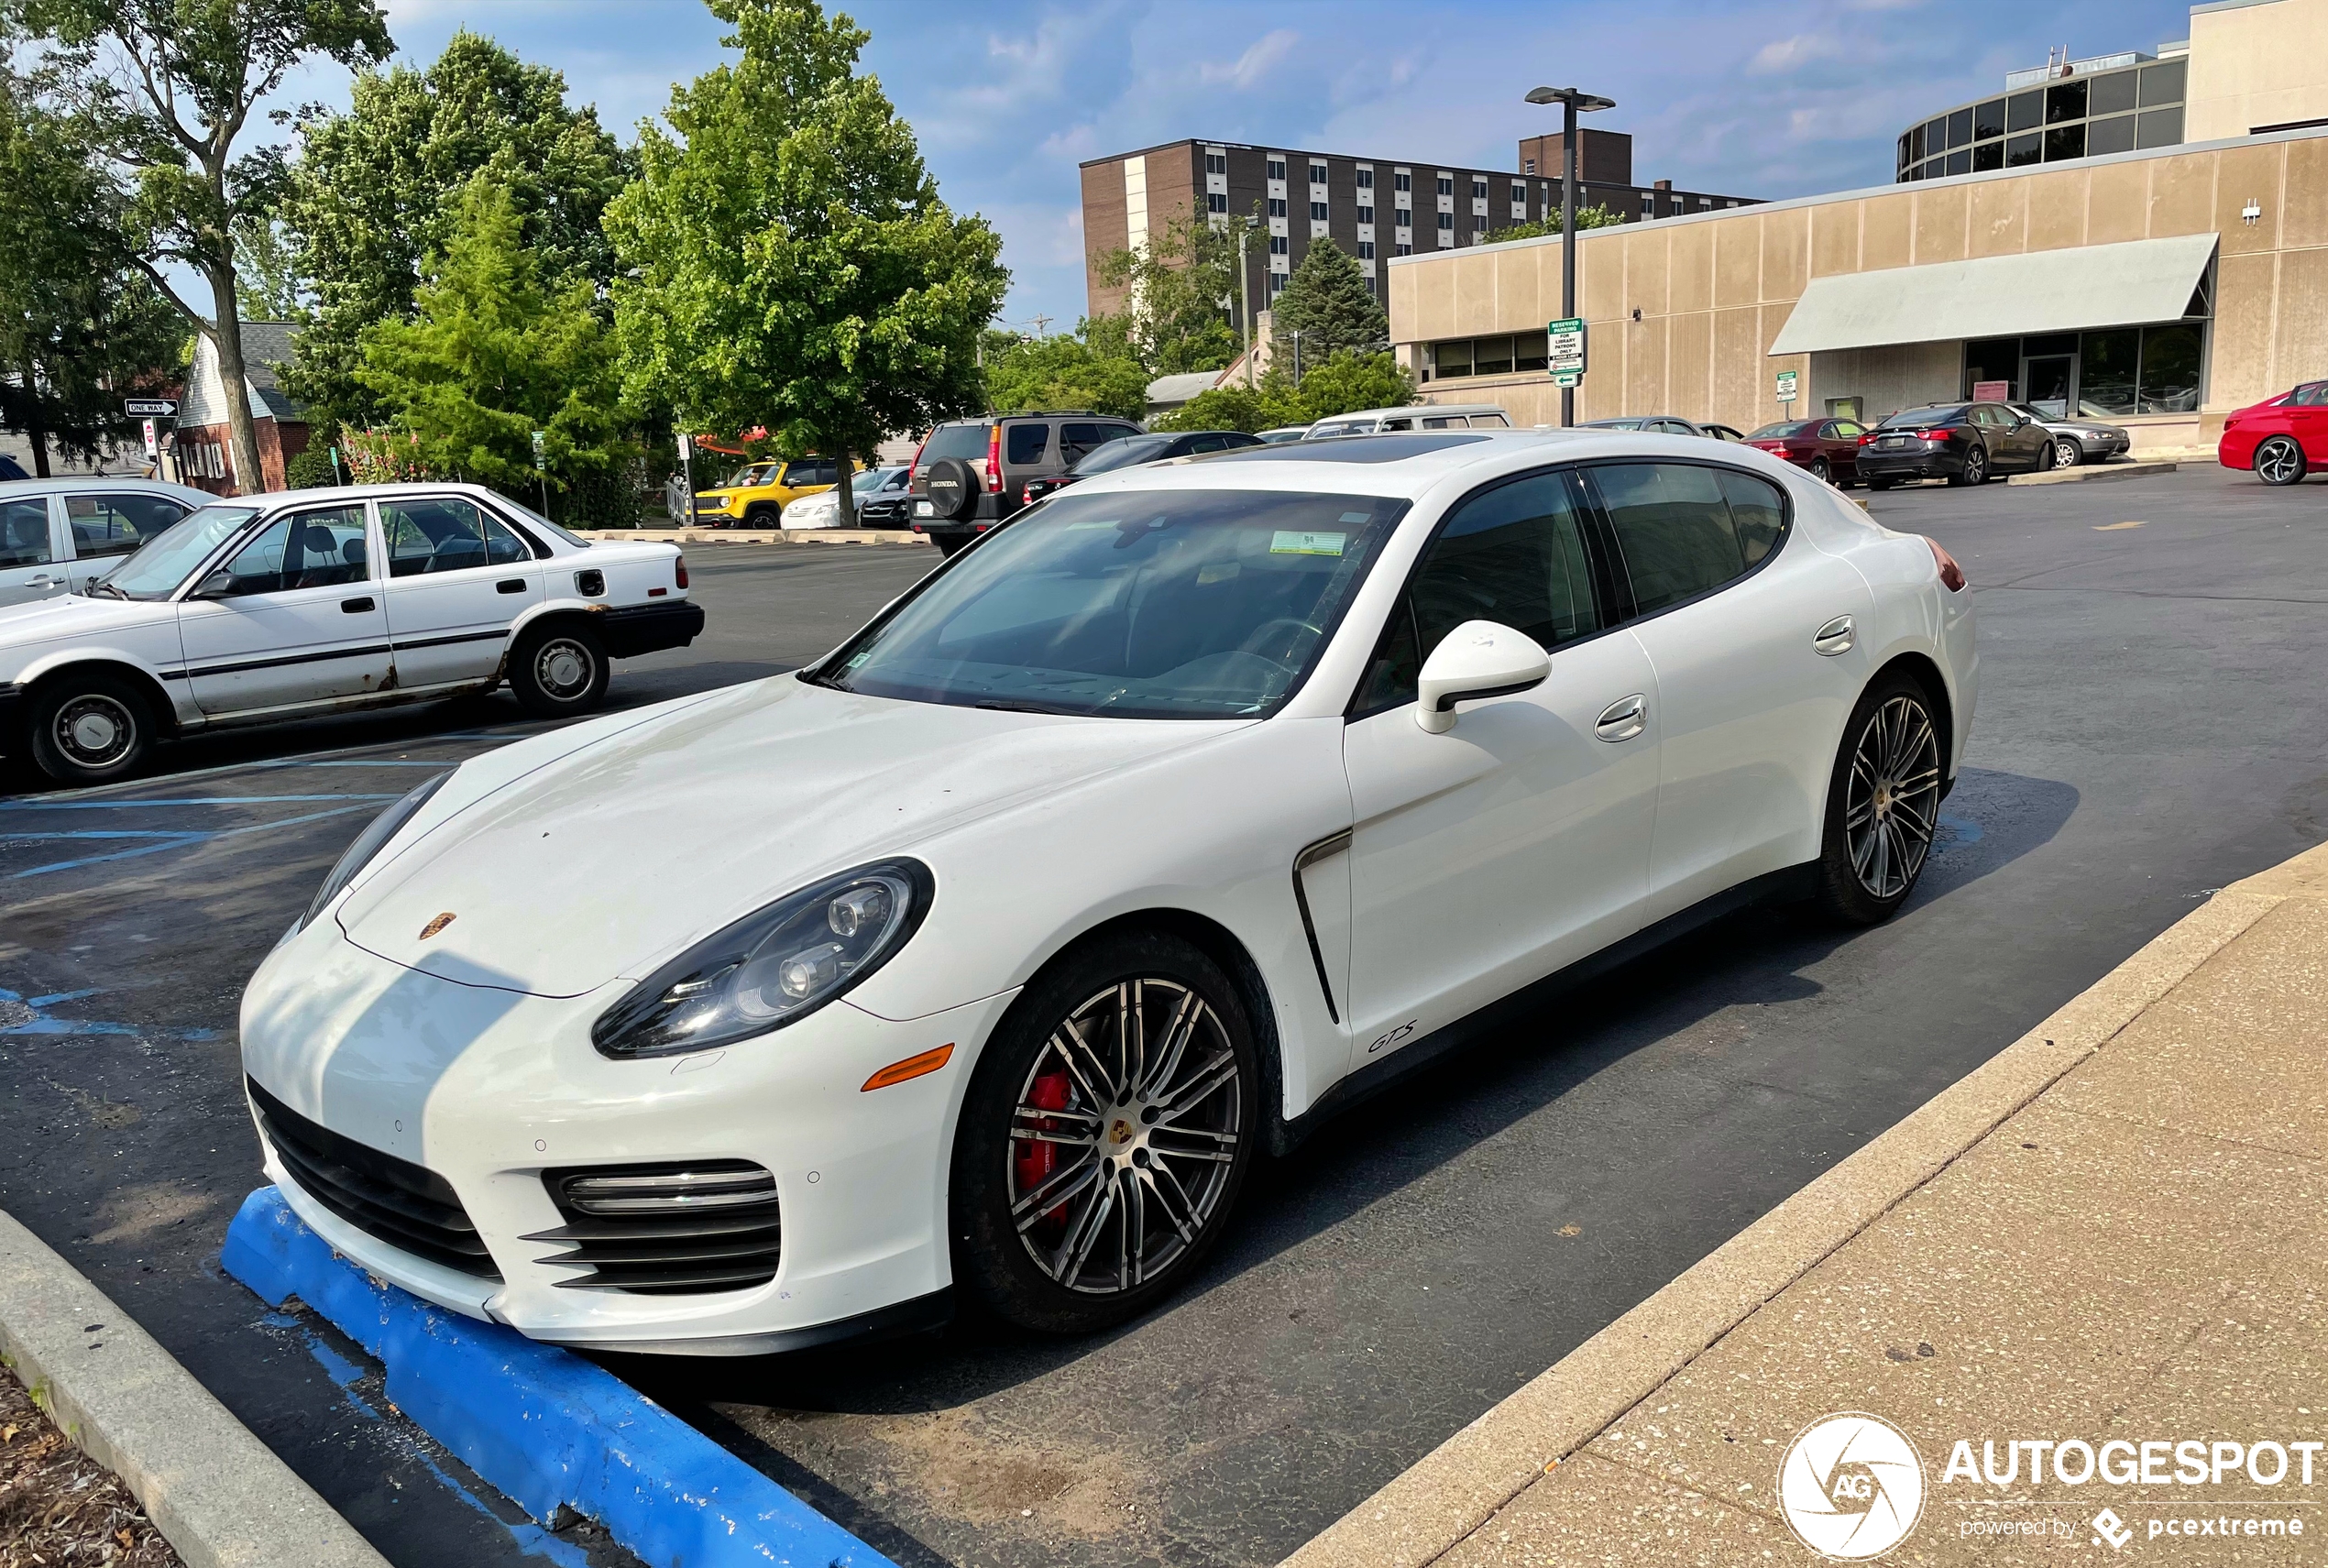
x=1374, y=208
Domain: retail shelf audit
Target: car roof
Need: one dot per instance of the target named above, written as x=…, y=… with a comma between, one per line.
x=74, y=483
x=1434, y=409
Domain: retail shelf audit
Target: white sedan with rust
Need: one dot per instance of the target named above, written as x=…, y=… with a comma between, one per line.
x=322, y=601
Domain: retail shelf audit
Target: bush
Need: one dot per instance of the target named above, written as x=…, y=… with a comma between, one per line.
x=310, y=470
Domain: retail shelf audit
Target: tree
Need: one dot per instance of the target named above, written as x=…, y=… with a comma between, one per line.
x=1593, y=217
x=168, y=87
x=1342, y=385
x=376, y=191
x=788, y=261
x=493, y=354
x=1030, y=374
x=1331, y=303
x=1351, y=381
x=1177, y=320
x=78, y=326
x=266, y=274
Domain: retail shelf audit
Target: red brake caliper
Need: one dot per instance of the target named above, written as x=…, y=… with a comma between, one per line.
x=1037, y=1159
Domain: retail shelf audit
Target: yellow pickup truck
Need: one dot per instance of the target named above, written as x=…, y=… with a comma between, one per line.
x=758, y=492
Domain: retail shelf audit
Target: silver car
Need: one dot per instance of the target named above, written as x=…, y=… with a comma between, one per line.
x=59, y=535
x=2075, y=439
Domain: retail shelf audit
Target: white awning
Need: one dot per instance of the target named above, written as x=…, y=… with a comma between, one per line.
x=2001, y=296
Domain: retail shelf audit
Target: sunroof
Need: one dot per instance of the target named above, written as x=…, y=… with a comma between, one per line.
x=1384, y=448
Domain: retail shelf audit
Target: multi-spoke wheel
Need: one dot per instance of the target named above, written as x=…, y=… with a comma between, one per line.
x=2279, y=461
x=1882, y=804
x=1105, y=1136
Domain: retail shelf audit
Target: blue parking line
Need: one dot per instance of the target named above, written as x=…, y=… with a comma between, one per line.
x=184, y=800
x=547, y=1428
x=171, y=839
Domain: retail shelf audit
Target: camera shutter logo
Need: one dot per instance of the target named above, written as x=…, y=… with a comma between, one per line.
x=1851, y=1486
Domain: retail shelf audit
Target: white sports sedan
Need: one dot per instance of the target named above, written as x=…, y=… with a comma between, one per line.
x=987, y=953
x=322, y=601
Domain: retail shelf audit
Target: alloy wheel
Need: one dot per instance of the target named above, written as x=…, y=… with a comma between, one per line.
x=2067, y=453
x=1894, y=797
x=1976, y=465
x=1124, y=1136
x=564, y=668
x=95, y=729
x=2279, y=461
x=1819, y=471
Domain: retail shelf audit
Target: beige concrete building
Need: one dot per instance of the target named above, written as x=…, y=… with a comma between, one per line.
x=2256, y=65
x=1884, y=298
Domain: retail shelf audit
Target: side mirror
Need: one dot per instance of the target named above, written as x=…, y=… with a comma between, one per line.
x=1477, y=659
x=219, y=585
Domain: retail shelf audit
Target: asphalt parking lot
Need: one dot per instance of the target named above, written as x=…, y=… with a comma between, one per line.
x=2150, y=729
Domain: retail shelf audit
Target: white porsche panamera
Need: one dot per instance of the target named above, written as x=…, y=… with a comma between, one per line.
x=987, y=953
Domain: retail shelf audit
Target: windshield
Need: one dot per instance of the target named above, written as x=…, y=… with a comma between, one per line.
x=1143, y=604
x=748, y=476
x=163, y=562
x=1346, y=427
x=1789, y=428
x=955, y=441
x=1910, y=419
x=1123, y=452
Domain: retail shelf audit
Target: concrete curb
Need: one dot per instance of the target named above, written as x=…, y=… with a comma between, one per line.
x=757, y=535
x=214, y=1490
x=2093, y=473
x=1459, y=1486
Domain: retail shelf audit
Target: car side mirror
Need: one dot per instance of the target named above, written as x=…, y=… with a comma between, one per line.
x=219, y=585
x=1477, y=659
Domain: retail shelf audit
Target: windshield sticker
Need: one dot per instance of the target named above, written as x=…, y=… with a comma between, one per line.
x=1219, y=571
x=1286, y=541
x=1354, y=517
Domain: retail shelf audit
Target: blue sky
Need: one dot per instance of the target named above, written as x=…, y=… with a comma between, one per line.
x=1746, y=98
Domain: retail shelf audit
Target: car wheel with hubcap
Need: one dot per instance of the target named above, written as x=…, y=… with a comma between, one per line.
x=1109, y=1125
x=90, y=728
x=2067, y=453
x=2279, y=461
x=1976, y=467
x=558, y=671
x=1882, y=804
x=1821, y=472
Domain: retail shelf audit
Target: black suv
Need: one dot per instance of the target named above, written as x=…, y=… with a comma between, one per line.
x=972, y=473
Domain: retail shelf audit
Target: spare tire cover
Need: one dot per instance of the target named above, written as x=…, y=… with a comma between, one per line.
x=953, y=489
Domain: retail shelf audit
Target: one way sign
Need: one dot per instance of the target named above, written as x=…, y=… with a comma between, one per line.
x=151, y=408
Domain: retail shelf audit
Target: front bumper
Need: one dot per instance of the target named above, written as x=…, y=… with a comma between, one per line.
x=489, y=1088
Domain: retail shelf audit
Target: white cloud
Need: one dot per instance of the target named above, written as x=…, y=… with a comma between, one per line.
x=1254, y=62
x=1786, y=54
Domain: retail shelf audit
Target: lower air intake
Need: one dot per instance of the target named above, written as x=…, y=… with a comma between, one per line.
x=683, y=1228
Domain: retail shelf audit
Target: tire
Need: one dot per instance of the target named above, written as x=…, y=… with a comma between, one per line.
x=1078, y=1266
x=1878, y=838
x=90, y=728
x=764, y=516
x=1976, y=467
x=2279, y=461
x=952, y=490
x=947, y=544
x=559, y=671
x=1821, y=472
x=2067, y=453
x=2045, y=459
x=1879, y=483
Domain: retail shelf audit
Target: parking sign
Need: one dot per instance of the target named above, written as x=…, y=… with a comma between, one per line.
x=1564, y=339
x=1786, y=385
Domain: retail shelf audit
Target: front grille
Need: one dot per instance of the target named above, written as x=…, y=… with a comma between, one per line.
x=408, y=1206
x=661, y=1230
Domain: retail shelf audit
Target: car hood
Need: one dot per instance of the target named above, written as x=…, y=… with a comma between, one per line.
x=612, y=856
x=70, y=615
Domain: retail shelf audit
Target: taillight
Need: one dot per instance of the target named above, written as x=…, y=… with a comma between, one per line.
x=681, y=564
x=994, y=460
x=1865, y=436
x=1937, y=437
x=1951, y=575
x=1027, y=497
x=915, y=472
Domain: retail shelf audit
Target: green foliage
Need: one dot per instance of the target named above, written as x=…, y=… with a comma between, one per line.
x=787, y=260
x=495, y=354
x=1342, y=385
x=1329, y=302
x=310, y=470
x=1029, y=375
x=1177, y=321
x=1593, y=217
x=378, y=189
x=266, y=273
x=77, y=326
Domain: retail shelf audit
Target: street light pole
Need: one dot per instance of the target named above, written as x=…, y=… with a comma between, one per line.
x=1571, y=101
x=1244, y=298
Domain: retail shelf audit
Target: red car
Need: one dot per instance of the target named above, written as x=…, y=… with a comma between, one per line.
x=2282, y=439
x=1828, y=447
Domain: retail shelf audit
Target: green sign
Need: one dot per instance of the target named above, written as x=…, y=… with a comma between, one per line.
x=1564, y=339
x=1568, y=378
x=1786, y=385
x=539, y=461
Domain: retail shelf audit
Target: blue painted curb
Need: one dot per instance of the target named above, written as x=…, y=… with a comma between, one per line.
x=540, y=1423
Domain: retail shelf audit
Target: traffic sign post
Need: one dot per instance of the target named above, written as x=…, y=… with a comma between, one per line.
x=1568, y=378
x=1565, y=344
x=153, y=407
x=153, y=442
x=542, y=468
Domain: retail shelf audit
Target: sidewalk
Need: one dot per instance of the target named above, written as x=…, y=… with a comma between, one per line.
x=2117, y=1229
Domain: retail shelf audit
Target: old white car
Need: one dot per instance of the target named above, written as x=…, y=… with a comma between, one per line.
x=320, y=601
x=59, y=535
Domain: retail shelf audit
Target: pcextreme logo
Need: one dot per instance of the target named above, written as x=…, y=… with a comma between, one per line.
x=1851, y=1486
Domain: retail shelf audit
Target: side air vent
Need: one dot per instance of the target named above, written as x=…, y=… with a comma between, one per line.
x=677, y=1229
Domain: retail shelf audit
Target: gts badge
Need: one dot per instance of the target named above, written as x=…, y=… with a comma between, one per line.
x=1394, y=1037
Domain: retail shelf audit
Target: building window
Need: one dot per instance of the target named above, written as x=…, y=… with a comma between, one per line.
x=1366, y=179
x=1317, y=212
x=1277, y=282
x=1479, y=189
x=1478, y=223
x=1446, y=221
x=1402, y=180
x=1405, y=216
x=2065, y=141
x=1278, y=245
x=1649, y=204
x=1276, y=206
x=1216, y=163
x=1403, y=248
x=1518, y=193
x=1446, y=184
x=1277, y=169
x=1366, y=214
x=2024, y=149
x=1216, y=202
x=2065, y=101
x=1366, y=250
x=1317, y=174
x=1527, y=166
x=1484, y=356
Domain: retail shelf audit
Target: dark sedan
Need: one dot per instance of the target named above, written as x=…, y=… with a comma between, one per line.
x=1828, y=447
x=1131, y=451
x=1965, y=444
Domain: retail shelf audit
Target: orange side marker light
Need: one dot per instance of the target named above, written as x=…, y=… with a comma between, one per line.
x=912, y=1067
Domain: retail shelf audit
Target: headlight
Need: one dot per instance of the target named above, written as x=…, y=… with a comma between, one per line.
x=367, y=843
x=771, y=968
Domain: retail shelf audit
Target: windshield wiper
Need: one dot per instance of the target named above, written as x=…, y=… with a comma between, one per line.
x=997, y=705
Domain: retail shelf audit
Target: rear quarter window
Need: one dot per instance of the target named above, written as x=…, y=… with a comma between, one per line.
x=955, y=441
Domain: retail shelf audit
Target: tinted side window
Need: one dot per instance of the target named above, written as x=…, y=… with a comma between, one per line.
x=1515, y=556
x=1674, y=529
x=1756, y=510
x=1025, y=442
x=24, y=534
x=115, y=525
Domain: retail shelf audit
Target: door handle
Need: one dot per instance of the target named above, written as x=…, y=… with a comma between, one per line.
x=1622, y=719
x=1836, y=637
x=512, y=586
x=44, y=581
x=355, y=607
